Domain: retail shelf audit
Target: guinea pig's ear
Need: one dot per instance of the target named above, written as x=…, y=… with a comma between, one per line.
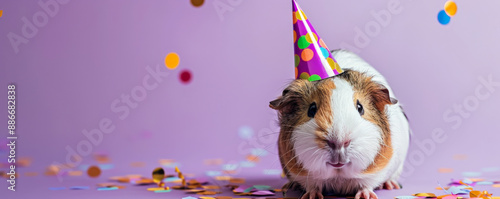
x=289, y=100
x=275, y=104
x=381, y=97
x=284, y=103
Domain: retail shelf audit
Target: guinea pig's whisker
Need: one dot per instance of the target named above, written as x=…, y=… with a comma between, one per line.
x=297, y=155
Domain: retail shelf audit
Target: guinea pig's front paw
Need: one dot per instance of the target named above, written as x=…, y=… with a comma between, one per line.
x=312, y=195
x=366, y=194
x=390, y=184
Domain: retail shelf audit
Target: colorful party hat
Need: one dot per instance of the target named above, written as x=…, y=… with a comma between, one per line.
x=313, y=60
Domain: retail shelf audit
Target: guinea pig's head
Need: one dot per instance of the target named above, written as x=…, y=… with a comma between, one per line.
x=334, y=127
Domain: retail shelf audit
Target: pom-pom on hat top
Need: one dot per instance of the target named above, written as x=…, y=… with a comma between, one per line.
x=313, y=60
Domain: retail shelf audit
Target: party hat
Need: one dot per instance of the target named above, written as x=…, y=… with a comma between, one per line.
x=313, y=60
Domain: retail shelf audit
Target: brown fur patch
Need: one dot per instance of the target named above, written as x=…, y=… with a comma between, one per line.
x=373, y=97
x=293, y=106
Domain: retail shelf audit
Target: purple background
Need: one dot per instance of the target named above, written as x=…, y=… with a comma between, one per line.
x=92, y=52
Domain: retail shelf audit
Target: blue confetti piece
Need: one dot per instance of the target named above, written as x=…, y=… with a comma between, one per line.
x=79, y=187
x=467, y=181
x=247, y=190
x=245, y=132
x=106, y=188
x=471, y=174
x=213, y=173
x=259, y=152
x=84, y=167
x=57, y=188
x=484, y=183
x=247, y=164
x=189, y=197
x=171, y=179
x=106, y=166
x=406, y=197
x=172, y=165
x=272, y=171
x=163, y=191
x=458, y=190
x=229, y=167
x=262, y=187
x=443, y=18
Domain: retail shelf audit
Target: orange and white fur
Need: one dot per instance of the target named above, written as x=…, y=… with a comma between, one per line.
x=344, y=135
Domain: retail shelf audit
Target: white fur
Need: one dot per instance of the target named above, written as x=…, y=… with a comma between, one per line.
x=349, y=125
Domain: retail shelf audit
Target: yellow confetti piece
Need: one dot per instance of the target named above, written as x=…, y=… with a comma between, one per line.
x=156, y=188
x=237, y=180
x=1, y=13
x=425, y=194
x=450, y=8
x=496, y=185
x=172, y=60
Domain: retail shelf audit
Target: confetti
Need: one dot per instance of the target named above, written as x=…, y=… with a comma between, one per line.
x=158, y=175
x=79, y=188
x=106, y=166
x=57, y=188
x=450, y=8
x=185, y=76
x=213, y=173
x=443, y=18
x=163, y=191
x=245, y=132
x=272, y=171
x=247, y=164
x=107, y=188
x=93, y=171
x=259, y=152
x=75, y=173
x=197, y=3
x=1, y=13
x=237, y=180
x=172, y=60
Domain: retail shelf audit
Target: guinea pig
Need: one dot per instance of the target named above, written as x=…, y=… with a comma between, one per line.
x=345, y=135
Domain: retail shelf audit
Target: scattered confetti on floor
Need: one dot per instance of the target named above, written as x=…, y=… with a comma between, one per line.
x=458, y=189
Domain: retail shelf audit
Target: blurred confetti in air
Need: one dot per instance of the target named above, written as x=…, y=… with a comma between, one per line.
x=444, y=16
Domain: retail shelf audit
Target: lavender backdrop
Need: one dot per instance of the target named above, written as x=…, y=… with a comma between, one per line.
x=90, y=53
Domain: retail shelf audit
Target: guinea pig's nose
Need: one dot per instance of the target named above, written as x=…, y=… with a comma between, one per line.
x=334, y=145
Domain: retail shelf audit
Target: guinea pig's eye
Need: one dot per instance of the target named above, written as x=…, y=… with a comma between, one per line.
x=361, y=111
x=312, y=110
